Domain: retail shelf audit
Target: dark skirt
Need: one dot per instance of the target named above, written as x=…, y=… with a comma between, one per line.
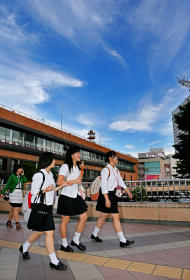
x=49, y=224
x=101, y=203
x=68, y=206
x=15, y=204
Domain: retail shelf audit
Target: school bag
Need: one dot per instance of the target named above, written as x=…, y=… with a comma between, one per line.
x=95, y=187
x=26, y=206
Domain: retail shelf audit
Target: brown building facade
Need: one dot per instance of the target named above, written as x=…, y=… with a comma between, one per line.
x=23, y=138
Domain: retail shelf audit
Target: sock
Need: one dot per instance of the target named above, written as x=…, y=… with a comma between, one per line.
x=96, y=230
x=25, y=246
x=64, y=242
x=76, y=237
x=121, y=236
x=53, y=258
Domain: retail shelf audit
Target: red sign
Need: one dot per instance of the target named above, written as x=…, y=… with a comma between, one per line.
x=152, y=177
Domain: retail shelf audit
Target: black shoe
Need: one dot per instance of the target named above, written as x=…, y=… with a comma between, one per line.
x=80, y=246
x=59, y=266
x=66, y=249
x=127, y=243
x=25, y=255
x=97, y=238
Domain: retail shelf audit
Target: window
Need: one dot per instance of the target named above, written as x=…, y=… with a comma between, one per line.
x=2, y=133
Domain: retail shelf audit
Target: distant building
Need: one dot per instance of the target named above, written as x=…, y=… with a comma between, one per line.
x=155, y=165
x=176, y=131
x=23, y=138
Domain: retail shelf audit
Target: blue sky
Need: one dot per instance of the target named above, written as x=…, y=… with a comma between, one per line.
x=107, y=65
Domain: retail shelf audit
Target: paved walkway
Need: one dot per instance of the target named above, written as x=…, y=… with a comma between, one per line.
x=160, y=252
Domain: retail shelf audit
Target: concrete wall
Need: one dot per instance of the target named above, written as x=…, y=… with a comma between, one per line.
x=174, y=212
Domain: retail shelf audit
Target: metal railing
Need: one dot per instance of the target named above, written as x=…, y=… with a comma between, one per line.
x=174, y=190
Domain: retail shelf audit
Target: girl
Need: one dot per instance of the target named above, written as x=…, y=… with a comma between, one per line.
x=70, y=202
x=107, y=200
x=47, y=185
x=15, y=184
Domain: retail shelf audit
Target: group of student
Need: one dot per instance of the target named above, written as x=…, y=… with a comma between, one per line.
x=70, y=203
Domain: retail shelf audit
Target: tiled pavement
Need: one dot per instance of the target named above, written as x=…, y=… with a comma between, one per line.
x=160, y=252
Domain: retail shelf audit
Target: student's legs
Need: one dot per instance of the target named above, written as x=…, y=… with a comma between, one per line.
x=10, y=214
x=80, y=226
x=117, y=227
x=63, y=226
x=116, y=222
x=100, y=222
x=16, y=214
x=33, y=237
x=63, y=230
x=81, y=223
x=49, y=241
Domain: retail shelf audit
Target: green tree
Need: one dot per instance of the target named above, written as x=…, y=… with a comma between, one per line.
x=182, y=148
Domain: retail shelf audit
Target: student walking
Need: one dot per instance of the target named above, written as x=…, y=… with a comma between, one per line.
x=14, y=186
x=70, y=202
x=43, y=184
x=107, y=203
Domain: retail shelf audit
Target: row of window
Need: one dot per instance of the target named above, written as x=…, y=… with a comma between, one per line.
x=29, y=140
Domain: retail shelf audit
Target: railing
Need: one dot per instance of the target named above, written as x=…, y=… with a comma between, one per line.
x=177, y=190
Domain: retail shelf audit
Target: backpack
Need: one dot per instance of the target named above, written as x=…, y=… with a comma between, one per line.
x=95, y=187
x=26, y=206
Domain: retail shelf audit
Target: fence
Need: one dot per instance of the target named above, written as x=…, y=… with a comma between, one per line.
x=161, y=190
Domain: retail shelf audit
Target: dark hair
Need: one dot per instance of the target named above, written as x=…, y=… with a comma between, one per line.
x=110, y=154
x=68, y=159
x=16, y=167
x=45, y=160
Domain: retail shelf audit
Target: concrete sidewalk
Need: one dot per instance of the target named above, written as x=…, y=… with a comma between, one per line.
x=160, y=252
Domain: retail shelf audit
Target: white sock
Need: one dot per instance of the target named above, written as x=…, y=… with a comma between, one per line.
x=25, y=246
x=53, y=258
x=96, y=230
x=121, y=236
x=64, y=242
x=76, y=237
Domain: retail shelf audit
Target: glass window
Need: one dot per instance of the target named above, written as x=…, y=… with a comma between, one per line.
x=29, y=140
x=2, y=133
x=39, y=144
x=15, y=137
x=48, y=145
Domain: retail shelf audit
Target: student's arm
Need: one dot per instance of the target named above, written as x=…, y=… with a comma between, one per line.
x=104, y=186
x=8, y=184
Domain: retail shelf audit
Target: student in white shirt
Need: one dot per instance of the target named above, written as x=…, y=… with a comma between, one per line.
x=47, y=185
x=107, y=201
x=70, y=202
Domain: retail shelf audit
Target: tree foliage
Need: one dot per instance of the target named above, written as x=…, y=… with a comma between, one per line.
x=182, y=148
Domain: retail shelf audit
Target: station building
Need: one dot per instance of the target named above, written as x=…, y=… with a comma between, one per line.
x=23, y=138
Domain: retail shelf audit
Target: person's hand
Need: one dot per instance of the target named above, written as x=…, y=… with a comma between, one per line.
x=108, y=203
x=130, y=195
x=48, y=189
x=78, y=180
x=66, y=183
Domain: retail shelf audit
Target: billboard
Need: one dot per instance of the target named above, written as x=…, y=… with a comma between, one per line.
x=151, y=177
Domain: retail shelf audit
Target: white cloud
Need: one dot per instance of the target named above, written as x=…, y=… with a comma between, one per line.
x=152, y=117
x=167, y=25
x=155, y=142
x=129, y=147
x=82, y=22
x=30, y=83
x=85, y=120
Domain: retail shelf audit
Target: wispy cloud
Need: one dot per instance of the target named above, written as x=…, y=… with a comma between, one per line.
x=150, y=117
x=82, y=22
x=167, y=25
x=24, y=83
x=131, y=147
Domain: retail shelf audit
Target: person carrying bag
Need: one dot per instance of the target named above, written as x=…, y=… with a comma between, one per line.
x=41, y=217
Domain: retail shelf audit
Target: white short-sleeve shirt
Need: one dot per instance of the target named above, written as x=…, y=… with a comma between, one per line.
x=71, y=190
x=37, y=182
